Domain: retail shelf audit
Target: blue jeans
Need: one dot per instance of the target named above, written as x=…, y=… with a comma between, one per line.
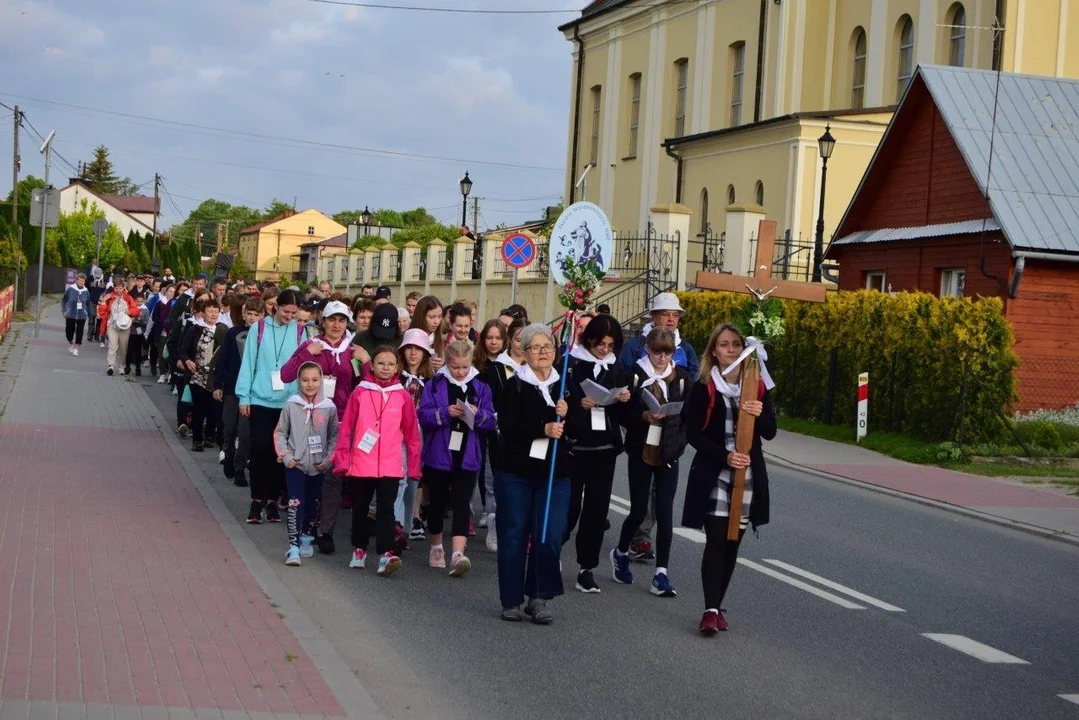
x=536, y=572
x=304, y=493
x=406, y=499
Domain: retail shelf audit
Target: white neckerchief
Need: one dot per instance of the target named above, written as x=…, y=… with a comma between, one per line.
x=444, y=371
x=320, y=401
x=410, y=378
x=526, y=374
x=646, y=365
x=505, y=359
x=725, y=388
x=384, y=390
x=200, y=322
x=189, y=292
x=648, y=328
x=345, y=344
x=600, y=364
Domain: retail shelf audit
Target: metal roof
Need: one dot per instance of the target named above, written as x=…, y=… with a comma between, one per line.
x=1034, y=192
x=964, y=227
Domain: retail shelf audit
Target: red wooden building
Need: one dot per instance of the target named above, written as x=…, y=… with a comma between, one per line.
x=924, y=217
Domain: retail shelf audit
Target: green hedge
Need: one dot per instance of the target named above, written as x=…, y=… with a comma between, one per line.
x=914, y=346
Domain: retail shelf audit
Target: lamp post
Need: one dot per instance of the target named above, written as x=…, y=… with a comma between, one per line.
x=466, y=188
x=365, y=218
x=477, y=244
x=825, y=145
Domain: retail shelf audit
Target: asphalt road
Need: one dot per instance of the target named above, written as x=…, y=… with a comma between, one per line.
x=429, y=646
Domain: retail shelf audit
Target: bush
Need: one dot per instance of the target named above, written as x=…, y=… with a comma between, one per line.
x=1048, y=435
x=914, y=346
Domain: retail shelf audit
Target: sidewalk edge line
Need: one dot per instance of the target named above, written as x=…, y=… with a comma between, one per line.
x=343, y=683
x=1028, y=528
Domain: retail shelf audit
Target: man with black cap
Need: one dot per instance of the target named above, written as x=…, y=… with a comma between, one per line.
x=382, y=295
x=383, y=331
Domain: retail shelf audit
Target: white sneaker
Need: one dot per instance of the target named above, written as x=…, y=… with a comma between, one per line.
x=492, y=536
x=102, y=344
x=75, y=352
x=482, y=522
x=71, y=349
x=459, y=565
x=220, y=456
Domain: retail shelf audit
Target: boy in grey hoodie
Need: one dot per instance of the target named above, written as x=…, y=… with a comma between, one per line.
x=305, y=439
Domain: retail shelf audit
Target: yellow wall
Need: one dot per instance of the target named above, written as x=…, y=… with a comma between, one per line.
x=261, y=252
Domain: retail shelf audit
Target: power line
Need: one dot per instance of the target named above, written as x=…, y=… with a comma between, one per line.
x=462, y=11
x=278, y=139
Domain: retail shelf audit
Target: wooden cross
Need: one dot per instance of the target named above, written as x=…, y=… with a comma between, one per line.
x=760, y=284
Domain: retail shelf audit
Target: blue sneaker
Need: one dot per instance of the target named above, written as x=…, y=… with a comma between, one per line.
x=388, y=564
x=307, y=546
x=620, y=568
x=661, y=586
x=292, y=557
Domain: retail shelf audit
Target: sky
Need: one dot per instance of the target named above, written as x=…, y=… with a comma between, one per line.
x=488, y=93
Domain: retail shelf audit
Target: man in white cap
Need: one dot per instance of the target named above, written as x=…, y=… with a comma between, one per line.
x=666, y=312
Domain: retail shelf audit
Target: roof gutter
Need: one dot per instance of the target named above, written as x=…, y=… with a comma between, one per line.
x=677, y=173
x=1054, y=257
x=576, y=111
x=762, y=29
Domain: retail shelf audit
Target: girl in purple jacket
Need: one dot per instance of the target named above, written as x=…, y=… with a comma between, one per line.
x=451, y=449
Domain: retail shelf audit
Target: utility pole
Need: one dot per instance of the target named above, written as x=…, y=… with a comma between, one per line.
x=476, y=215
x=157, y=200
x=46, y=149
x=219, y=227
x=16, y=165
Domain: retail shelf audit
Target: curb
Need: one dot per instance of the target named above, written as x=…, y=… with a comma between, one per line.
x=929, y=502
x=346, y=687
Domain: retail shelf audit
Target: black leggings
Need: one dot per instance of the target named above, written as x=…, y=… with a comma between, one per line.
x=203, y=410
x=384, y=490
x=641, y=477
x=134, y=350
x=267, y=475
x=454, y=487
x=591, y=475
x=74, y=330
x=720, y=557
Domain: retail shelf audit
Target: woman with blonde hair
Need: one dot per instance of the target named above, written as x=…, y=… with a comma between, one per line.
x=711, y=418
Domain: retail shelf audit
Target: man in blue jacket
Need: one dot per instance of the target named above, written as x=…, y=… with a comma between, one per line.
x=75, y=306
x=666, y=313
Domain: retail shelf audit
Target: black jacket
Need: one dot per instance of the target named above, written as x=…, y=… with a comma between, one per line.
x=579, y=430
x=522, y=413
x=711, y=457
x=637, y=429
x=228, y=363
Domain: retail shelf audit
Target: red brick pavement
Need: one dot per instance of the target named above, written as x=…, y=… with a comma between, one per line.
x=117, y=586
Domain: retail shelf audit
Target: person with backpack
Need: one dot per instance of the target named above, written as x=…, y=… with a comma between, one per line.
x=198, y=355
x=711, y=419
x=654, y=442
x=75, y=307
x=246, y=311
x=451, y=450
x=595, y=440
x=262, y=394
x=116, y=312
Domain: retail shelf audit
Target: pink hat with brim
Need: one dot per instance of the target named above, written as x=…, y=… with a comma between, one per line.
x=417, y=338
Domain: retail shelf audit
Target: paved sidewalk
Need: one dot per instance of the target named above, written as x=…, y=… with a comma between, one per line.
x=1045, y=512
x=121, y=595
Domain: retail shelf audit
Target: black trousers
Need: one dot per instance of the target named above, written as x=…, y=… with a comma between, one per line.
x=384, y=490
x=267, y=475
x=453, y=487
x=591, y=475
x=180, y=381
x=74, y=329
x=641, y=479
x=154, y=341
x=134, y=351
x=717, y=565
x=204, y=411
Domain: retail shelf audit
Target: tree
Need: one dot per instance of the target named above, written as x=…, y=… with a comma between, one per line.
x=240, y=270
x=103, y=178
x=275, y=208
x=417, y=218
x=424, y=234
x=26, y=187
x=209, y=214
x=75, y=242
x=552, y=214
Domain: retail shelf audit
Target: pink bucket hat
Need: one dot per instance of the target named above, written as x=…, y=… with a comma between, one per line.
x=417, y=338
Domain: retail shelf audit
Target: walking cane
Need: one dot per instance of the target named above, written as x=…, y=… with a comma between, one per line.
x=569, y=321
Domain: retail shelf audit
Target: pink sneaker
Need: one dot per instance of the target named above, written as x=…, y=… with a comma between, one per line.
x=437, y=557
x=388, y=564
x=359, y=559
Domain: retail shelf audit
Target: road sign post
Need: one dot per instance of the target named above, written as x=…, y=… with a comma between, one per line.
x=518, y=251
x=863, y=406
x=101, y=226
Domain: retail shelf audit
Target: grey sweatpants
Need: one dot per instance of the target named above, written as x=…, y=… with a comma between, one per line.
x=235, y=426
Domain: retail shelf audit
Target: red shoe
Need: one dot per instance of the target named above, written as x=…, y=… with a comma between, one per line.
x=642, y=551
x=710, y=623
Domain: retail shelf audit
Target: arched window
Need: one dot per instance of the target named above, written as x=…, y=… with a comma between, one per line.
x=906, y=56
x=730, y=194
x=857, y=92
x=957, y=41
x=758, y=193
x=704, y=212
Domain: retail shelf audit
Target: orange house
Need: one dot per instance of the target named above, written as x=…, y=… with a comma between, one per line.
x=925, y=218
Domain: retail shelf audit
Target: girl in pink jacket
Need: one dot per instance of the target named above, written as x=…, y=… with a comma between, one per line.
x=379, y=419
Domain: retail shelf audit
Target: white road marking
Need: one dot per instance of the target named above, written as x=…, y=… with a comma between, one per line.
x=975, y=649
x=1070, y=698
x=620, y=510
x=842, y=602
x=621, y=501
x=688, y=533
x=867, y=599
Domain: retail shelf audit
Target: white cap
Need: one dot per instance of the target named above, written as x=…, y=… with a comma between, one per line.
x=667, y=301
x=336, y=307
x=403, y=313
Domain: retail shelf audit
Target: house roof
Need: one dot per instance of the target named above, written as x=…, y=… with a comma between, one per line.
x=779, y=119
x=264, y=223
x=335, y=241
x=963, y=227
x=134, y=203
x=594, y=9
x=107, y=199
x=1034, y=188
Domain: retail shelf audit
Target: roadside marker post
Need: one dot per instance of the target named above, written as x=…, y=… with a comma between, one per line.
x=863, y=406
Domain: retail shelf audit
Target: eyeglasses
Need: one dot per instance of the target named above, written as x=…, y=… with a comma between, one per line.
x=542, y=349
x=660, y=353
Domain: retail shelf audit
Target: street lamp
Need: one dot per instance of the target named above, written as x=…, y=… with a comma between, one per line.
x=466, y=188
x=825, y=145
x=365, y=217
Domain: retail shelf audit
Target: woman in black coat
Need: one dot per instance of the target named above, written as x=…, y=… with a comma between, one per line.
x=711, y=418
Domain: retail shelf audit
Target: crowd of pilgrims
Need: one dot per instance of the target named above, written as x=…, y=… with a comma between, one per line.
x=319, y=402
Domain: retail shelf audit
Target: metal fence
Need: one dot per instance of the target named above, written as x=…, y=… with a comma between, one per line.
x=643, y=266
x=792, y=258
x=444, y=263
x=1047, y=383
x=393, y=272
x=704, y=253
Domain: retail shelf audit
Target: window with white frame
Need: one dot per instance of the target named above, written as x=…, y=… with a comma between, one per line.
x=953, y=282
x=957, y=40
x=681, y=71
x=344, y=269
x=634, y=112
x=874, y=280
x=906, y=56
x=738, y=72
x=594, y=150
x=310, y=229
x=857, y=92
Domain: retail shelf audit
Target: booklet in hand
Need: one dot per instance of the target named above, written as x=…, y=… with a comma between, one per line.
x=666, y=410
x=599, y=394
x=470, y=414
